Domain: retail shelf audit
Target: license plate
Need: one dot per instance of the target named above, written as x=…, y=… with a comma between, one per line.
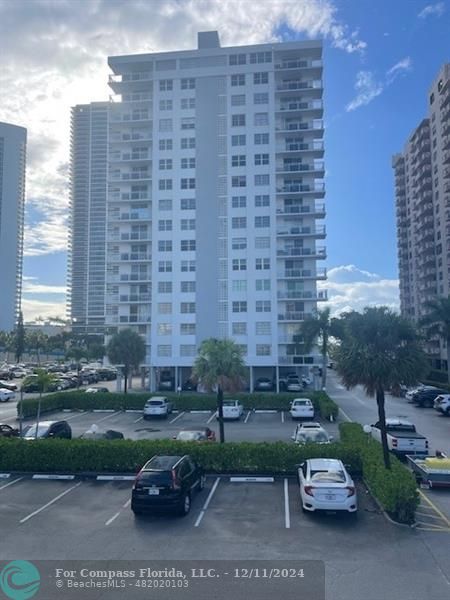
x=153, y=492
x=330, y=497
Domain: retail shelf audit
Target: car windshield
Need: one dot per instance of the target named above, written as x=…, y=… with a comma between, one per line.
x=30, y=431
x=328, y=476
x=312, y=436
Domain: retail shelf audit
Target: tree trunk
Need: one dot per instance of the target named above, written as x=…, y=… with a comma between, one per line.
x=382, y=420
x=324, y=360
x=448, y=360
x=125, y=374
x=38, y=416
x=220, y=413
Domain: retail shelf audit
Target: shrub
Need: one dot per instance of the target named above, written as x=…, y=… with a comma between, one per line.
x=395, y=489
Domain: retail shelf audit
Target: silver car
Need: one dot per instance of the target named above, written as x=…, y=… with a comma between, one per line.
x=158, y=406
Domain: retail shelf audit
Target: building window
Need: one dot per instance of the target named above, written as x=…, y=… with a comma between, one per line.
x=263, y=328
x=165, y=287
x=239, y=243
x=239, y=285
x=165, y=225
x=262, y=349
x=188, y=83
x=260, y=57
x=165, y=266
x=262, y=264
x=165, y=125
x=262, y=200
x=187, y=103
x=165, y=246
x=165, y=164
x=187, y=143
x=164, y=308
x=187, y=183
x=188, y=163
x=166, y=144
x=261, y=98
x=239, y=328
x=188, y=350
x=262, y=179
x=188, y=123
x=262, y=285
x=238, y=100
x=238, y=120
x=262, y=243
x=237, y=59
x=263, y=306
x=165, y=105
x=238, y=181
x=165, y=184
x=187, y=245
x=239, y=306
x=259, y=78
x=164, y=350
x=187, y=224
x=263, y=221
x=238, y=140
x=164, y=328
x=261, y=138
x=238, y=160
x=261, y=119
x=239, y=201
x=165, y=85
x=187, y=308
x=188, y=266
x=239, y=264
x=187, y=203
x=261, y=159
x=165, y=204
x=187, y=328
x=238, y=222
x=187, y=286
x=237, y=80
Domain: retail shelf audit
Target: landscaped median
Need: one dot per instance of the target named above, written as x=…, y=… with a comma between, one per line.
x=79, y=400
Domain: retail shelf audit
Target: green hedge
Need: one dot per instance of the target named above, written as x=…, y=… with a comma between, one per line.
x=81, y=401
x=125, y=456
x=396, y=490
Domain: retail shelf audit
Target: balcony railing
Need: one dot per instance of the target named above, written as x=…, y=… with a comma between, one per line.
x=295, y=188
x=134, y=76
x=134, y=298
x=291, y=316
x=295, y=84
x=288, y=126
x=299, y=64
x=319, y=273
x=300, y=167
x=130, y=176
x=298, y=231
x=302, y=295
x=320, y=252
x=296, y=105
x=318, y=208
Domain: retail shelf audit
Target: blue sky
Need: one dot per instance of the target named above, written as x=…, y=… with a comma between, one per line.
x=380, y=59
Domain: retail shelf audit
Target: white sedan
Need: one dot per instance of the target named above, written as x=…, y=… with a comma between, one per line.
x=302, y=408
x=232, y=409
x=311, y=433
x=326, y=485
x=6, y=395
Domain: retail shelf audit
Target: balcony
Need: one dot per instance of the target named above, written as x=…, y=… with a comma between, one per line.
x=305, y=126
x=302, y=188
x=131, y=298
x=294, y=85
x=295, y=64
x=317, y=210
x=134, y=277
x=129, y=118
x=129, y=257
x=318, y=253
x=119, y=138
x=120, y=177
x=131, y=81
x=297, y=106
x=317, y=232
x=144, y=318
x=299, y=147
x=129, y=156
x=303, y=274
x=302, y=295
x=142, y=215
x=137, y=98
x=317, y=168
x=292, y=316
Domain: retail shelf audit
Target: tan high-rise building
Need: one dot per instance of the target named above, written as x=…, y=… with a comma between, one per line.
x=422, y=188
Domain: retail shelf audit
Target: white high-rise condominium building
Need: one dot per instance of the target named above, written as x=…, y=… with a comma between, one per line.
x=13, y=142
x=89, y=131
x=422, y=188
x=214, y=195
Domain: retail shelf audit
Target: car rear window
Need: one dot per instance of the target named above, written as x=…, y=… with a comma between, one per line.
x=155, y=402
x=328, y=476
x=229, y=403
x=155, y=477
x=302, y=403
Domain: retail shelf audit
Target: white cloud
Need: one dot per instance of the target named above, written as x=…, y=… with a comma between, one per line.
x=29, y=287
x=351, y=288
x=38, y=308
x=367, y=87
x=432, y=10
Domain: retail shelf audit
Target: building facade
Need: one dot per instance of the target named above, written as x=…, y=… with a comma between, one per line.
x=422, y=188
x=13, y=142
x=87, y=256
x=214, y=207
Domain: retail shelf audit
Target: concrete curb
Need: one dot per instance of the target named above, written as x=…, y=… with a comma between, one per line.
x=385, y=514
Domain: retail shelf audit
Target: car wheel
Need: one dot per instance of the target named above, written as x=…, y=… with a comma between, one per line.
x=145, y=417
x=202, y=483
x=185, y=506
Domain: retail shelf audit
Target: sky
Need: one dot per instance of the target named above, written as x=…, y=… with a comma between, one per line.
x=380, y=59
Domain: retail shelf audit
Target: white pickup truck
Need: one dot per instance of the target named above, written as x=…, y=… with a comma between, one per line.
x=402, y=437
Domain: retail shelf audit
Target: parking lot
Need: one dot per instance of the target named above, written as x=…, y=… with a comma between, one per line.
x=91, y=520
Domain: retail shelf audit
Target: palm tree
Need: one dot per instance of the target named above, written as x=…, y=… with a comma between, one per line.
x=126, y=348
x=378, y=350
x=318, y=327
x=437, y=322
x=19, y=338
x=37, y=341
x=220, y=365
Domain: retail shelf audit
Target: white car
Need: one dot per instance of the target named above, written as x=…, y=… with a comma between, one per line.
x=158, y=406
x=302, y=408
x=326, y=485
x=442, y=404
x=311, y=436
x=6, y=395
x=232, y=409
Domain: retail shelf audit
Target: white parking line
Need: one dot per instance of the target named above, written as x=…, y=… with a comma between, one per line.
x=212, y=417
x=114, y=517
x=208, y=500
x=247, y=417
x=114, y=414
x=345, y=415
x=177, y=417
x=137, y=420
x=80, y=414
x=287, y=514
x=2, y=487
x=282, y=416
x=36, y=512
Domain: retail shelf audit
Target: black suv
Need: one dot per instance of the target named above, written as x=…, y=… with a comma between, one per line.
x=48, y=429
x=167, y=483
x=426, y=397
